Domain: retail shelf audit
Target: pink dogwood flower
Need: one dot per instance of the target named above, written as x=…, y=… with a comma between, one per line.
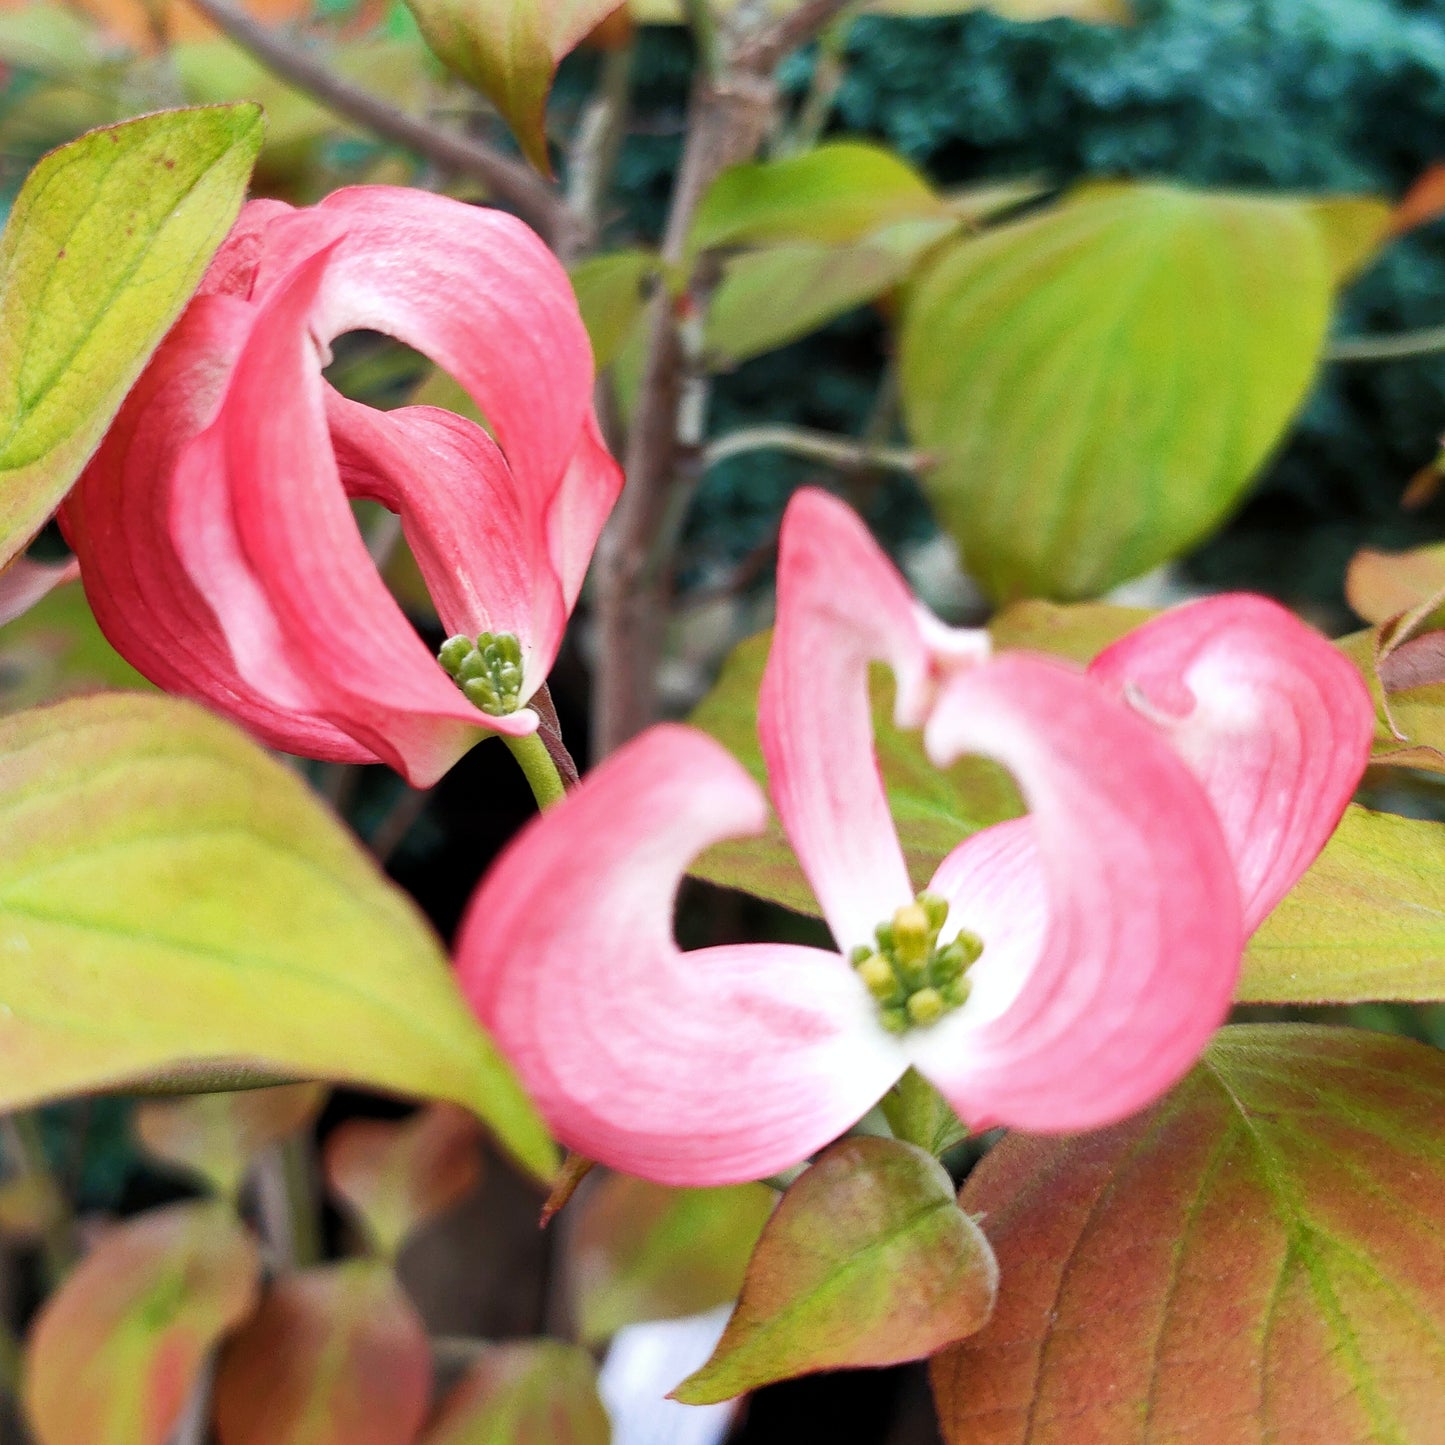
x=1059, y=971
x=214, y=528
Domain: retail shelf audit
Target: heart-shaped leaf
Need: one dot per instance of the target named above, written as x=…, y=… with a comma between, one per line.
x=107, y=240
x=642, y=1251
x=1101, y=381
x=397, y=1176
x=176, y=907
x=535, y=1392
x=1367, y=920
x=113, y=1356
x=217, y=1136
x=838, y=193
x=868, y=1260
x=510, y=50
x=334, y=1356
x=775, y=295
x=1257, y=1257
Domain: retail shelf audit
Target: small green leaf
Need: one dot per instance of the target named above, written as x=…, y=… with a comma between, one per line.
x=1102, y=380
x=1079, y=631
x=645, y=1252
x=176, y=907
x=108, y=239
x=612, y=295
x=218, y=1136
x=770, y=297
x=396, y=1177
x=114, y=1354
x=833, y=195
x=510, y=50
x=334, y=1356
x=934, y=810
x=1257, y=1257
x=918, y=1114
x=535, y=1392
x=868, y=1260
x=1367, y=920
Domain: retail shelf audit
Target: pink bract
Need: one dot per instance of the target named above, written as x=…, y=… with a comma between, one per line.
x=1175, y=790
x=214, y=527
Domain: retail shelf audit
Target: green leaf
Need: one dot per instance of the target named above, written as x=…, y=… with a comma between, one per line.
x=770, y=297
x=645, y=1252
x=612, y=295
x=334, y=1356
x=510, y=50
x=56, y=649
x=108, y=239
x=397, y=1177
x=176, y=907
x=833, y=195
x=114, y=1354
x=535, y=1392
x=218, y=1136
x=1367, y=920
x=1079, y=631
x=934, y=810
x=1102, y=380
x=918, y=1114
x=868, y=1260
x=1257, y=1257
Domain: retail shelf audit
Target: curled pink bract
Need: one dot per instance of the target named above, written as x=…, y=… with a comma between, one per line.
x=214, y=527
x=1174, y=790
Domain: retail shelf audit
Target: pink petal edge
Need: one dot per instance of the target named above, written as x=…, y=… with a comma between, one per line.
x=1274, y=721
x=709, y=1067
x=1083, y=1022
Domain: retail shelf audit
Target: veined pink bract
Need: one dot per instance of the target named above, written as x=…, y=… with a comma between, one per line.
x=214, y=528
x=1176, y=789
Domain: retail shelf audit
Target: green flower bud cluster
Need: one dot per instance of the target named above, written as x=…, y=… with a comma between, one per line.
x=913, y=980
x=488, y=670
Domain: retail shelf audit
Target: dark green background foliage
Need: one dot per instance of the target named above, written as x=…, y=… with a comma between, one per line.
x=1321, y=95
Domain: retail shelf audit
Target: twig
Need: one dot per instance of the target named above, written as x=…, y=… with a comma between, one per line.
x=594, y=152
x=193, y=1427
x=819, y=446
x=398, y=820
x=728, y=116
x=506, y=180
x=1387, y=348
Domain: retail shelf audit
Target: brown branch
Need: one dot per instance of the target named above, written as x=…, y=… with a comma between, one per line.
x=506, y=180
x=728, y=116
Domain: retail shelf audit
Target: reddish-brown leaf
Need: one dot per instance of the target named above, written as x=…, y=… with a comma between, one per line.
x=218, y=1135
x=867, y=1260
x=334, y=1356
x=397, y=1176
x=535, y=1392
x=114, y=1354
x=1423, y=202
x=1256, y=1260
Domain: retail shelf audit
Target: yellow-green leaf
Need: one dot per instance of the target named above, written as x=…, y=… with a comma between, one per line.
x=510, y=50
x=176, y=906
x=108, y=238
x=114, y=1354
x=835, y=194
x=612, y=294
x=775, y=295
x=868, y=1260
x=1102, y=380
x=533, y=1392
x=643, y=1252
x=1367, y=920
